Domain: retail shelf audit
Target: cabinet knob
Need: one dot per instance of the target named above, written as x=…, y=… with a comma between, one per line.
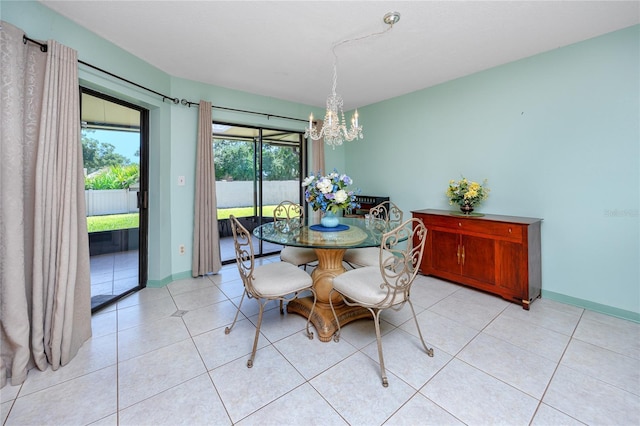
x=509, y=230
x=459, y=224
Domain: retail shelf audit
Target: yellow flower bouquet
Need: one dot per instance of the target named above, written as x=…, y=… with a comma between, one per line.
x=467, y=194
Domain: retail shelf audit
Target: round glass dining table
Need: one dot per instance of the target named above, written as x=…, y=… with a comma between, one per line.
x=330, y=246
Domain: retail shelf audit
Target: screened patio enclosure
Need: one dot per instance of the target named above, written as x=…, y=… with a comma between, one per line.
x=256, y=169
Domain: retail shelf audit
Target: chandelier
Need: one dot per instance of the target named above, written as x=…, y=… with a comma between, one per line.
x=334, y=128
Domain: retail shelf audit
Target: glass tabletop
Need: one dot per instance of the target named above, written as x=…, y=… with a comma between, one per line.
x=358, y=234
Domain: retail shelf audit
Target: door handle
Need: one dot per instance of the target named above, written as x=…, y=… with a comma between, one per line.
x=142, y=200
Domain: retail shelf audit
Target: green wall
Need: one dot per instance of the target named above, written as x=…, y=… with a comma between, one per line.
x=183, y=147
x=557, y=135
x=173, y=128
x=40, y=23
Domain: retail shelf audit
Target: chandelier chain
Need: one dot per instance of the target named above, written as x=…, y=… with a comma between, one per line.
x=334, y=129
x=335, y=79
x=349, y=40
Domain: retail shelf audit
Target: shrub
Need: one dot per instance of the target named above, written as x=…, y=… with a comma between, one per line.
x=113, y=177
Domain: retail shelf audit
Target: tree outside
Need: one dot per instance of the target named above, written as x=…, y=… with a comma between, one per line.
x=234, y=160
x=98, y=155
x=107, y=169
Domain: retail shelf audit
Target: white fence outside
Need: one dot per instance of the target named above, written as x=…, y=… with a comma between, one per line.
x=228, y=194
x=110, y=201
x=240, y=193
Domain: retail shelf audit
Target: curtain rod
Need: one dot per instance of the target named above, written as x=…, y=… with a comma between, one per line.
x=164, y=97
x=43, y=48
x=189, y=103
x=25, y=39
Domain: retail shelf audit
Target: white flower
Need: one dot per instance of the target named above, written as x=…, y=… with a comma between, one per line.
x=324, y=185
x=329, y=193
x=341, y=196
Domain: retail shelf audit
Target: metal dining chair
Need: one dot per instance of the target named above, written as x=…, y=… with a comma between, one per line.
x=387, y=285
x=272, y=281
x=385, y=214
x=288, y=217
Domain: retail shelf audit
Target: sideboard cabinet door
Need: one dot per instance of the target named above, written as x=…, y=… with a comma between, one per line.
x=446, y=260
x=478, y=259
x=498, y=254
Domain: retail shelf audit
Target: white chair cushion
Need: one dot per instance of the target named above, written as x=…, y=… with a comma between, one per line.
x=279, y=279
x=298, y=255
x=368, y=256
x=363, y=285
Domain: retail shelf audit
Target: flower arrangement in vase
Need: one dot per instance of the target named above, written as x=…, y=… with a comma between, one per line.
x=467, y=194
x=329, y=193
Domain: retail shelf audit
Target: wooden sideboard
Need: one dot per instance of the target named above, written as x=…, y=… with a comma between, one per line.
x=497, y=254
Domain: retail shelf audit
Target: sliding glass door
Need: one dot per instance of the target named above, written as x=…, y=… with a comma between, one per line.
x=114, y=145
x=256, y=169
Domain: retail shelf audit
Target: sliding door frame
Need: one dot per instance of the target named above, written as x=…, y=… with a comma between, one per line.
x=258, y=143
x=143, y=193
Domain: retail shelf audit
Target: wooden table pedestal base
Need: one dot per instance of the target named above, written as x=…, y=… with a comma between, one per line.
x=329, y=266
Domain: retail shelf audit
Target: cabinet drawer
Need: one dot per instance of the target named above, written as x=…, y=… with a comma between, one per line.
x=502, y=230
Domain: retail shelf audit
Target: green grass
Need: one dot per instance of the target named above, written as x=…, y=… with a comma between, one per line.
x=125, y=221
x=112, y=222
x=267, y=211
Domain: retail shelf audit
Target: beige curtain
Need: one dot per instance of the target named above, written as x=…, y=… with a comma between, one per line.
x=206, y=239
x=317, y=158
x=45, y=288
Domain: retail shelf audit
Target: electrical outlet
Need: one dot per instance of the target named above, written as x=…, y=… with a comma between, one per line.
x=181, y=249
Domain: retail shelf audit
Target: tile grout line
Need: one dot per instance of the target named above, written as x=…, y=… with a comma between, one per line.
x=555, y=370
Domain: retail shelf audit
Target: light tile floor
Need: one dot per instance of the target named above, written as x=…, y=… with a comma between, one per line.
x=150, y=363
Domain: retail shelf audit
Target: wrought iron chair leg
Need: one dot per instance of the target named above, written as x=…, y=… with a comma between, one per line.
x=336, y=335
x=255, y=340
x=376, y=321
x=428, y=350
x=227, y=330
x=310, y=333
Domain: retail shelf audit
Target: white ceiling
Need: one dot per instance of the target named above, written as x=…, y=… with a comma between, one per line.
x=282, y=49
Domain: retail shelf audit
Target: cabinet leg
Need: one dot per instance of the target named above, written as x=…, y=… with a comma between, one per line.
x=525, y=304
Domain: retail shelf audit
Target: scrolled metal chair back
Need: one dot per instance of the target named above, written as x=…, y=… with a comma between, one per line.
x=388, y=213
x=384, y=217
x=406, y=244
x=288, y=217
x=244, y=253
